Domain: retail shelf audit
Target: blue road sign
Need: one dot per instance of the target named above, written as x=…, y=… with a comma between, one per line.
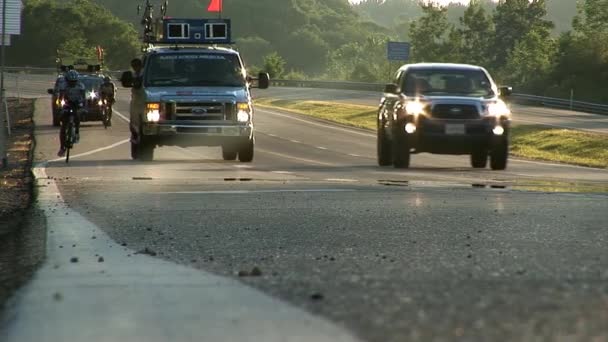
x=398, y=51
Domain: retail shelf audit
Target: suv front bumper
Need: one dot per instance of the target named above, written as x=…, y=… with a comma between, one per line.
x=455, y=136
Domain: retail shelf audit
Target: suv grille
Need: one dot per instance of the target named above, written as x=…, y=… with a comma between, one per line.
x=448, y=111
x=204, y=111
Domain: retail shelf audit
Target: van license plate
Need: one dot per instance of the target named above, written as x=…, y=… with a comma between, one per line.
x=455, y=129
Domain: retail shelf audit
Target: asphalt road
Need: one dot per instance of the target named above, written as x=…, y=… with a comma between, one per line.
x=438, y=252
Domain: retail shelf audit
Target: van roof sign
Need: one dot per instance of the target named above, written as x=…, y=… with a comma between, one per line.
x=194, y=31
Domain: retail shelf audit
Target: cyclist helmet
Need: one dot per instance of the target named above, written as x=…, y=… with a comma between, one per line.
x=72, y=76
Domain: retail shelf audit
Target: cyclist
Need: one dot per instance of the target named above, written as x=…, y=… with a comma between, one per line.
x=75, y=98
x=107, y=91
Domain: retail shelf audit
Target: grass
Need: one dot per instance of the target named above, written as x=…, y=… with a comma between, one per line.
x=530, y=142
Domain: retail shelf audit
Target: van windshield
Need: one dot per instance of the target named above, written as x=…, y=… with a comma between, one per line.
x=195, y=70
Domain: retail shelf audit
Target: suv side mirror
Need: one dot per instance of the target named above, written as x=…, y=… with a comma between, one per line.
x=505, y=91
x=50, y=91
x=263, y=80
x=391, y=88
x=126, y=79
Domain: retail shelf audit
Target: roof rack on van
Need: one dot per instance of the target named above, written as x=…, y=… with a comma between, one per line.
x=165, y=30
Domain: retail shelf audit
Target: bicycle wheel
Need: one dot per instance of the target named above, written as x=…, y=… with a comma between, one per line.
x=69, y=139
x=104, y=117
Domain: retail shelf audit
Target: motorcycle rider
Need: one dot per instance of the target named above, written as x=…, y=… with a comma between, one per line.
x=75, y=98
x=107, y=91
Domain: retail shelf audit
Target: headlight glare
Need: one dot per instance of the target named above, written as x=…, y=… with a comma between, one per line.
x=414, y=108
x=153, y=115
x=242, y=116
x=498, y=109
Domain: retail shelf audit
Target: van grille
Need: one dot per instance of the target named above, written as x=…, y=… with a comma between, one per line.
x=193, y=111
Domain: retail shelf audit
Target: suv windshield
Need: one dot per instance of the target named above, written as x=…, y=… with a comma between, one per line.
x=451, y=82
x=195, y=70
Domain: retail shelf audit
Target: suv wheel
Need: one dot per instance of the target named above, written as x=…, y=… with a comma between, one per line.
x=385, y=157
x=246, y=152
x=499, y=155
x=401, y=151
x=143, y=151
x=479, y=159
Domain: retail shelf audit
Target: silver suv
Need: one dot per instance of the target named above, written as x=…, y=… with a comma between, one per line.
x=444, y=109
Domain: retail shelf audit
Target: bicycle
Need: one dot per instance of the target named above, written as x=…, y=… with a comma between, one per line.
x=105, y=114
x=70, y=131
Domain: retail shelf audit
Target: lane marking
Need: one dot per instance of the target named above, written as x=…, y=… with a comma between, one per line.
x=341, y=180
x=282, y=172
x=101, y=149
x=241, y=192
x=295, y=141
x=243, y=166
x=355, y=155
x=309, y=161
x=322, y=148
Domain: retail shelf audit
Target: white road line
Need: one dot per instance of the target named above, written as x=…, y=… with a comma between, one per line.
x=322, y=148
x=296, y=141
x=341, y=180
x=120, y=115
x=122, y=142
x=241, y=192
x=354, y=155
x=309, y=161
x=282, y=172
x=330, y=126
x=243, y=166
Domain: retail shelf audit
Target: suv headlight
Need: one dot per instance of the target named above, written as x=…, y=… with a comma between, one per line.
x=243, y=112
x=414, y=108
x=153, y=112
x=497, y=109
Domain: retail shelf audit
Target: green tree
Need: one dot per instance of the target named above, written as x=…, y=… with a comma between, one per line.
x=74, y=27
x=582, y=64
x=513, y=20
x=274, y=65
x=253, y=49
x=428, y=34
x=477, y=31
x=531, y=61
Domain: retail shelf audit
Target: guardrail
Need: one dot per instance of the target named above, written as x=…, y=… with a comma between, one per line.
x=526, y=99
x=553, y=102
x=550, y=102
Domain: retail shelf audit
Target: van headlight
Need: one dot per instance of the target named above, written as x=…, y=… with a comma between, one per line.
x=414, y=108
x=243, y=112
x=153, y=112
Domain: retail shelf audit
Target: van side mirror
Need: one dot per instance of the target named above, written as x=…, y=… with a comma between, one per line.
x=391, y=88
x=50, y=91
x=263, y=80
x=505, y=91
x=126, y=79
